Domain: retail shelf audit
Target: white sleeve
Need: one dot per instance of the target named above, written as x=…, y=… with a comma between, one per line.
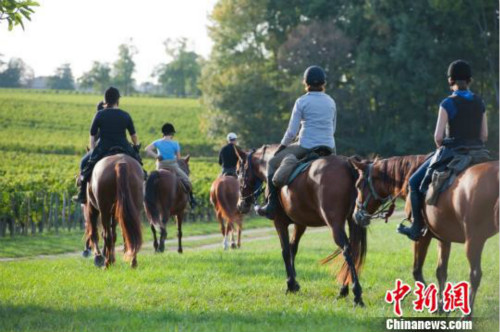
x=293, y=125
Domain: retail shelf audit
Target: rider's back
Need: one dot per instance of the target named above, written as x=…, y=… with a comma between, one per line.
x=112, y=125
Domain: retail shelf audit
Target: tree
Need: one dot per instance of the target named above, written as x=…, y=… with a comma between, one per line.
x=180, y=76
x=63, y=78
x=124, y=68
x=97, y=78
x=16, y=74
x=15, y=11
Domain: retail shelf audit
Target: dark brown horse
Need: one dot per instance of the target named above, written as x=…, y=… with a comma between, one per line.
x=166, y=197
x=323, y=195
x=224, y=195
x=115, y=196
x=467, y=212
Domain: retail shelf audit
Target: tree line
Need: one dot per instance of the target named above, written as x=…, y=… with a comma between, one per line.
x=178, y=77
x=386, y=64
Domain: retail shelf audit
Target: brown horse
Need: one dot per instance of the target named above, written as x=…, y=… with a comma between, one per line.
x=467, y=212
x=224, y=195
x=115, y=195
x=323, y=195
x=166, y=197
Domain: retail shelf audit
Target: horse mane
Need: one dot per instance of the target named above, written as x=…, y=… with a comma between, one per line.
x=184, y=166
x=396, y=171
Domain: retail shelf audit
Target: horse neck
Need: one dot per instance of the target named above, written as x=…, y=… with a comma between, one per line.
x=394, y=173
x=260, y=159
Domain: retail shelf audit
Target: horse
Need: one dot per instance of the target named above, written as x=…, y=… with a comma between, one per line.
x=165, y=197
x=224, y=195
x=115, y=195
x=323, y=195
x=467, y=212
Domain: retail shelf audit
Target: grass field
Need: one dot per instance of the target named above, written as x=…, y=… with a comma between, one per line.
x=212, y=290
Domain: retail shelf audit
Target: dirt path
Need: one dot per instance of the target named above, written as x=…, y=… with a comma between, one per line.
x=197, y=242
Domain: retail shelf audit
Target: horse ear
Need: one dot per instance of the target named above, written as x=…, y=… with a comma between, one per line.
x=186, y=158
x=359, y=165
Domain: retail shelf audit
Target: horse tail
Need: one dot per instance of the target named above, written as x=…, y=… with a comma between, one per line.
x=126, y=212
x=358, y=246
x=151, y=197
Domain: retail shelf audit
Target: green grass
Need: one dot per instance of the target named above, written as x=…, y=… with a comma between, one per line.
x=212, y=290
x=51, y=243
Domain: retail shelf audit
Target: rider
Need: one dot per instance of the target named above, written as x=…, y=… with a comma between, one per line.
x=167, y=153
x=315, y=114
x=111, y=124
x=461, y=121
x=228, y=156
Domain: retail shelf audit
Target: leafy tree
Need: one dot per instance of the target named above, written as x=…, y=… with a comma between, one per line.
x=63, y=78
x=180, y=76
x=15, y=11
x=98, y=78
x=15, y=75
x=124, y=68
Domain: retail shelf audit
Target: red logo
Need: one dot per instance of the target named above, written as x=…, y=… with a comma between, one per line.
x=397, y=295
x=456, y=297
x=426, y=297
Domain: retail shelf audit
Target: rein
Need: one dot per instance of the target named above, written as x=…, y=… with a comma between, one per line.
x=386, y=210
x=258, y=187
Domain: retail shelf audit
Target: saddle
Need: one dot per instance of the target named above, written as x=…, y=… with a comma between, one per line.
x=291, y=167
x=446, y=164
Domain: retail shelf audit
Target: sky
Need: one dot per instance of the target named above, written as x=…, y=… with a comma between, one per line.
x=82, y=31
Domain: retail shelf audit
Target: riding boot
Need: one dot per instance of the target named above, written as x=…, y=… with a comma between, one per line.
x=415, y=231
x=269, y=209
x=192, y=200
x=82, y=193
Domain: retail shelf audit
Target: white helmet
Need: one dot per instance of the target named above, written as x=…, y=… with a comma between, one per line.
x=231, y=137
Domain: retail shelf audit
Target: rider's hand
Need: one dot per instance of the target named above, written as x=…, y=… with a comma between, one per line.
x=137, y=148
x=280, y=148
x=159, y=158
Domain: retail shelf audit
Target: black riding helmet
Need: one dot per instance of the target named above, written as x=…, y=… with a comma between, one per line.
x=315, y=76
x=168, y=129
x=459, y=70
x=111, y=96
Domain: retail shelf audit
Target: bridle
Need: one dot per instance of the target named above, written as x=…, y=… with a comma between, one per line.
x=258, y=186
x=387, y=207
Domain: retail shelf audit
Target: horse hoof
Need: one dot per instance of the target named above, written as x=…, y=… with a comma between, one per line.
x=293, y=288
x=133, y=264
x=359, y=303
x=344, y=291
x=99, y=261
x=179, y=251
x=233, y=246
x=86, y=253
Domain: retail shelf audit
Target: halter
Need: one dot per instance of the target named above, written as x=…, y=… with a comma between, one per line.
x=258, y=183
x=385, y=211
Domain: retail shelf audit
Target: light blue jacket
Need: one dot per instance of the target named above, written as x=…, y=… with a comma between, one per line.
x=315, y=114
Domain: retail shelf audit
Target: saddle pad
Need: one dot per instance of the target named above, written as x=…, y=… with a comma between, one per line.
x=298, y=170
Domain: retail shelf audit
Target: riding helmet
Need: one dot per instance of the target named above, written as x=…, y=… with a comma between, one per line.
x=168, y=129
x=111, y=96
x=315, y=76
x=231, y=137
x=459, y=70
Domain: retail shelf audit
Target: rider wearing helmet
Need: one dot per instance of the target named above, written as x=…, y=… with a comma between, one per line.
x=110, y=125
x=228, y=156
x=461, y=122
x=166, y=151
x=313, y=120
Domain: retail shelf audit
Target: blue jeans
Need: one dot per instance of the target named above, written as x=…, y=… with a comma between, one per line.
x=418, y=176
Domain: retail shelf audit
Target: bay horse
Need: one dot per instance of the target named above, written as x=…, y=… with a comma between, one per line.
x=467, y=212
x=166, y=197
x=115, y=196
x=323, y=195
x=224, y=195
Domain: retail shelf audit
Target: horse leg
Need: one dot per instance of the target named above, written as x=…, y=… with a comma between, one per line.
x=341, y=239
x=108, y=237
x=298, y=231
x=474, y=249
x=155, y=240
x=92, y=216
x=113, y=239
x=227, y=230
x=163, y=229
x=233, y=235
x=419, y=253
x=222, y=228
x=240, y=227
x=281, y=225
x=179, y=218
x=442, y=268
